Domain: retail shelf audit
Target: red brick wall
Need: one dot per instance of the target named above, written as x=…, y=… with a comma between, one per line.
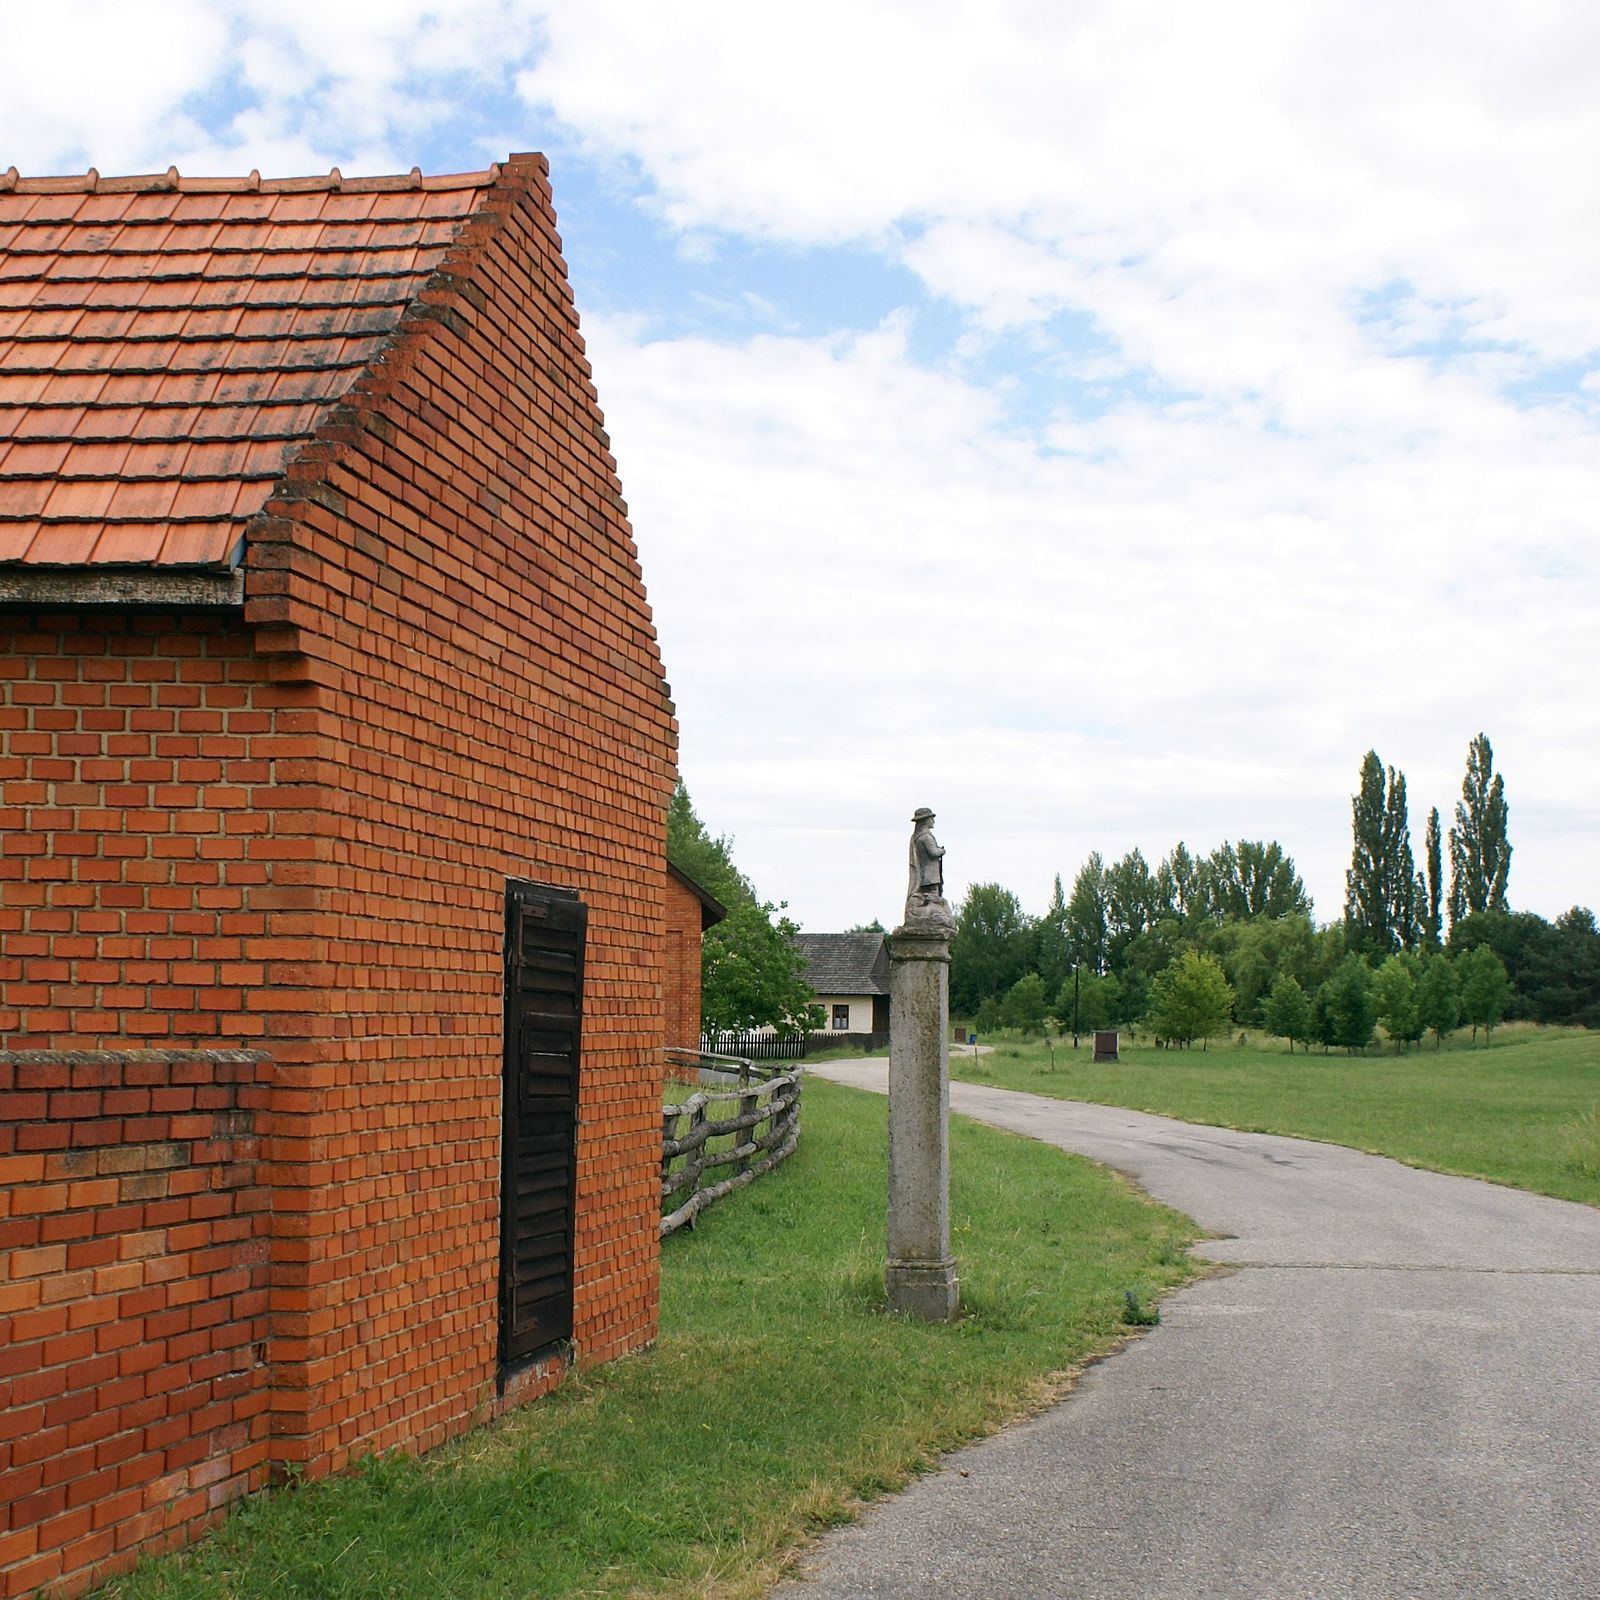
x=685, y=921
x=157, y=842
x=153, y=817
x=454, y=566
x=133, y=1304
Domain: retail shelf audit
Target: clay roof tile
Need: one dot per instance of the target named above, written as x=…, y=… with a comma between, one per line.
x=167, y=345
x=34, y=460
x=128, y=544
x=22, y=499
x=198, y=544
x=62, y=544
x=144, y=499
x=155, y=422
x=156, y=458
x=91, y=458
x=206, y=498
x=44, y=422
x=77, y=499
x=16, y=536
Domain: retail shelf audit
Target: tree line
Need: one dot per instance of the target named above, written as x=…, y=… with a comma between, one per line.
x=1201, y=942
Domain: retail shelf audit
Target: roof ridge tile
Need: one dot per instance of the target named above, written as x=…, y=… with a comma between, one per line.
x=173, y=181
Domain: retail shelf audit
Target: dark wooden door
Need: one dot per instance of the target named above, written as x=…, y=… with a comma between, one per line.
x=544, y=1015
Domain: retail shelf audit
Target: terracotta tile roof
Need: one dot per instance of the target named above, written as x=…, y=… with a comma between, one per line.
x=167, y=345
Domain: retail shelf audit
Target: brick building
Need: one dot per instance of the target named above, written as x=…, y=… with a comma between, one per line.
x=334, y=758
x=690, y=910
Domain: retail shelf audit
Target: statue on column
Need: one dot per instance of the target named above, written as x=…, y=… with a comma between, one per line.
x=926, y=906
x=920, y=1273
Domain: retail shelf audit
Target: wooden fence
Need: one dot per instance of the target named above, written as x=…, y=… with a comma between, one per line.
x=757, y=1046
x=763, y=1127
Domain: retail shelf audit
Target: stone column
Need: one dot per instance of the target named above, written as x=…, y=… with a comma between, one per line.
x=921, y=1277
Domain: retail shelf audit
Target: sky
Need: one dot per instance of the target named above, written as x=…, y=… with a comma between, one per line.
x=1100, y=422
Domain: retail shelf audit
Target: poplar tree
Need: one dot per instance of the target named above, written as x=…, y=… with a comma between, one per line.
x=1402, y=882
x=1052, y=957
x=1432, y=886
x=1130, y=900
x=1380, y=907
x=1179, y=885
x=1088, y=915
x=1256, y=878
x=991, y=946
x=1480, y=853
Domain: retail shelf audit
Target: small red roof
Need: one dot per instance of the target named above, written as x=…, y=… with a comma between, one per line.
x=168, y=344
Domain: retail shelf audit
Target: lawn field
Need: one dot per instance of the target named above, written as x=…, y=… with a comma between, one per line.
x=779, y=1396
x=1524, y=1110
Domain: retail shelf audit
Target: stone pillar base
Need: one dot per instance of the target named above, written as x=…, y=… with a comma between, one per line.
x=926, y=1290
x=921, y=1278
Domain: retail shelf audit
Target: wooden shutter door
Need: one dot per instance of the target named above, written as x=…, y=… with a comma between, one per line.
x=544, y=1013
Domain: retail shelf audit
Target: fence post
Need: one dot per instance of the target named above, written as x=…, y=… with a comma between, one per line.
x=699, y=1160
x=747, y=1104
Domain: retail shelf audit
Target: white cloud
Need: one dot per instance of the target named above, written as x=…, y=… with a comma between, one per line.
x=1287, y=500
x=871, y=596
x=1255, y=156
x=119, y=83
x=100, y=83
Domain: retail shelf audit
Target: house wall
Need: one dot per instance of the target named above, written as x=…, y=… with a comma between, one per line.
x=860, y=1012
x=459, y=577
x=157, y=834
x=681, y=979
x=154, y=823
x=133, y=1304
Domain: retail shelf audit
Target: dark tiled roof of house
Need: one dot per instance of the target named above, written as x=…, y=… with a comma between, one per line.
x=845, y=963
x=168, y=345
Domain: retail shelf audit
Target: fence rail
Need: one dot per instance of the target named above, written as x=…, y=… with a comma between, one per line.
x=764, y=1129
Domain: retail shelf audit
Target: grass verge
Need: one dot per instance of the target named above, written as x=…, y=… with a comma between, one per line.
x=1525, y=1112
x=779, y=1397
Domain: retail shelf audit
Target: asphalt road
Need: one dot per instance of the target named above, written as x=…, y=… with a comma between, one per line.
x=1395, y=1395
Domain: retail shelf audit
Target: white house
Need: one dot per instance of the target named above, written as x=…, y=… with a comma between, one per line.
x=850, y=973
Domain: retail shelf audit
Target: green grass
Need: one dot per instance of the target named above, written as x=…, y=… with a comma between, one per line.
x=1524, y=1111
x=779, y=1397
